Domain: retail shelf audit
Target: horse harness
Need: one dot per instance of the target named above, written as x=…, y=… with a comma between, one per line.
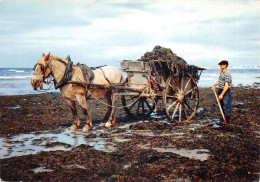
x=86, y=71
x=103, y=73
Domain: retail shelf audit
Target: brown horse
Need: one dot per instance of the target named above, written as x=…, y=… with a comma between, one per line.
x=53, y=66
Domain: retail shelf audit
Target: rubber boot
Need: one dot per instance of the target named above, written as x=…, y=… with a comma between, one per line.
x=227, y=119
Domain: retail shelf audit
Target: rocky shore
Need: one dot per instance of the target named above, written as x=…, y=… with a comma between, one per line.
x=133, y=150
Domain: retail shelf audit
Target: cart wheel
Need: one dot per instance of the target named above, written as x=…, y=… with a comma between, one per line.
x=137, y=106
x=181, y=98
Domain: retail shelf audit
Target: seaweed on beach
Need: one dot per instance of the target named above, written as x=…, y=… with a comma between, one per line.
x=166, y=63
x=232, y=151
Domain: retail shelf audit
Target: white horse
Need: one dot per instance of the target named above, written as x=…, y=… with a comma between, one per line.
x=55, y=66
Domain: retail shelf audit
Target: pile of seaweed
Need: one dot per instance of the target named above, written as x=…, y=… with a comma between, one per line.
x=165, y=63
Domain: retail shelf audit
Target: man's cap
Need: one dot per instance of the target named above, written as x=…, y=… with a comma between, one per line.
x=224, y=62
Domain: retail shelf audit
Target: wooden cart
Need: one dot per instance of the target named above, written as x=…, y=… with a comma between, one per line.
x=178, y=90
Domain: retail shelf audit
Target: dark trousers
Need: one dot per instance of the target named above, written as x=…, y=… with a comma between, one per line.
x=226, y=103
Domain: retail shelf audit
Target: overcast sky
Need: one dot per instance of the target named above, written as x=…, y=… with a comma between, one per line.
x=98, y=32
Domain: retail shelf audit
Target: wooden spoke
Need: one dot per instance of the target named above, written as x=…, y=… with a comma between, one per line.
x=182, y=81
x=131, y=98
x=132, y=105
x=189, y=106
x=138, y=107
x=185, y=112
x=143, y=107
x=172, y=96
x=189, y=92
x=173, y=104
x=171, y=86
x=187, y=84
x=180, y=113
x=147, y=104
x=176, y=81
x=175, y=110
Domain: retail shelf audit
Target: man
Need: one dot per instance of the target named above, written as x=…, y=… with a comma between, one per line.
x=224, y=83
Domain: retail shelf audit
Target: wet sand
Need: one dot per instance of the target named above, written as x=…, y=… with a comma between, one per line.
x=36, y=144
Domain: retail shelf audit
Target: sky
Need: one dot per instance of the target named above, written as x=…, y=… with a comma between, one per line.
x=103, y=32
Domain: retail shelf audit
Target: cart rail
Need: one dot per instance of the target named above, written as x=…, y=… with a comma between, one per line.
x=117, y=87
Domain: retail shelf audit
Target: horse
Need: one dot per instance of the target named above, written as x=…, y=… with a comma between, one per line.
x=56, y=67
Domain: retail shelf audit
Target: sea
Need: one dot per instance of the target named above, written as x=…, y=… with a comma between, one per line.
x=16, y=81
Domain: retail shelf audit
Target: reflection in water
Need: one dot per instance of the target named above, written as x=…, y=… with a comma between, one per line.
x=199, y=154
x=100, y=139
x=33, y=143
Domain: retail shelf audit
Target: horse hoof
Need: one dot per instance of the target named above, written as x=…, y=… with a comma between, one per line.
x=108, y=124
x=111, y=123
x=86, y=128
x=73, y=127
x=102, y=124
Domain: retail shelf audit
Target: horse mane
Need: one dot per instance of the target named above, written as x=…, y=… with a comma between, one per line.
x=59, y=59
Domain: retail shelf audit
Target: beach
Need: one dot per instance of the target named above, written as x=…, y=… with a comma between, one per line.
x=36, y=144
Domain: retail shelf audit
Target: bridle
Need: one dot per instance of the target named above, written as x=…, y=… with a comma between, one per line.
x=67, y=75
x=43, y=70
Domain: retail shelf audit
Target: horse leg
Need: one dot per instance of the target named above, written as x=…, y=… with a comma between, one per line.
x=112, y=121
x=83, y=104
x=109, y=108
x=74, y=112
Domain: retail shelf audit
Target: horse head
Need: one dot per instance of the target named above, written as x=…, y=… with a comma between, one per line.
x=42, y=71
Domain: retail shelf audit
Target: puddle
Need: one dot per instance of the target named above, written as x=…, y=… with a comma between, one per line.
x=27, y=144
x=101, y=144
x=74, y=166
x=198, y=154
x=64, y=139
x=126, y=166
x=205, y=123
x=239, y=103
x=60, y=139
x=199, y=136
x=157, y=115
x=196, y=125
x=175, y=135
x=122, y=139
x=215, y=123
x=14, y=107
x=143, y=132
x=199, y=109
x=105, y=140
x=41, y=170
